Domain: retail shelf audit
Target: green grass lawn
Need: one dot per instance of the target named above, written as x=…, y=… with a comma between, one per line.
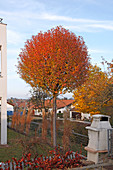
x=19, y=144
x=13, y=149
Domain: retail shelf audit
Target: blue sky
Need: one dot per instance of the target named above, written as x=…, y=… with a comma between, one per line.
x=91, y=19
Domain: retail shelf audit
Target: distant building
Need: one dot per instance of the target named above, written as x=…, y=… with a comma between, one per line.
x=10, y=108
x=85, y=116
x=74, y=113
x=61, y=106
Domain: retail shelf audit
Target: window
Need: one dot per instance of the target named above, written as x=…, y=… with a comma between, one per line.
x=104, y=119
x=0, y=59
x=46, y=110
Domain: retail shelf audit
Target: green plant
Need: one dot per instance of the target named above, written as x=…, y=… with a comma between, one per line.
x=60, y=115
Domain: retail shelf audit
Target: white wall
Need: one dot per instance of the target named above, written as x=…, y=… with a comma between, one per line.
x=85, y=115
x=37, y=112
x=9, y=107
x=3, y=83
x=61, y=110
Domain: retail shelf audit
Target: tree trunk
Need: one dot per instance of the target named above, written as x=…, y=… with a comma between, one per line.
x=54, y=121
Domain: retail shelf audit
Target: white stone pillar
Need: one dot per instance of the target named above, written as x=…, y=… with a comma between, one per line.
x=3, y=82
x=98, y=141
x=3, y=121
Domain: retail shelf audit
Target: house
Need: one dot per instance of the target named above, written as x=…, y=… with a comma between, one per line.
x=10, y=108
x=3, y=81
x=61, y=104
x=85, y=116
x=22, y=105
x=74, y=113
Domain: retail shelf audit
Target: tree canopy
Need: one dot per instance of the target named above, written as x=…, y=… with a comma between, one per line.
x=54, y=60
x=95, y=95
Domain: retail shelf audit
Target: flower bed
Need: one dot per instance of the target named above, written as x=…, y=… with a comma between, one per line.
x=54, y=160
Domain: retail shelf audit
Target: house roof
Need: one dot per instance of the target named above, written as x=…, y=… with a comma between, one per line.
x=49, y=103
x=17, y=102
x=10, y=103
x=60, y=103
x=23, y=104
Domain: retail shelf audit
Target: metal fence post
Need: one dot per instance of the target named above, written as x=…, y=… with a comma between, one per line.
x=108, y=131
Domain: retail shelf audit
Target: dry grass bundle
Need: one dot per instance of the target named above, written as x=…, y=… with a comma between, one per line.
x=67, y=132
x=17, y=122
x=28, y=120
x=23, y=121
x=14, y=120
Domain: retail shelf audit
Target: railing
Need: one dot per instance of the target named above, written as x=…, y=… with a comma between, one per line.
x=13, y=165
x=22, y=165
x=81, y=138
x=110, y=142
x=28, y=164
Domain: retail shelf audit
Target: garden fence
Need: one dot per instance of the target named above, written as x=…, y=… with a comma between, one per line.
x=79, y=142
x=26, y=165
x=13, y=165
x=110, y=142
x=80, y=138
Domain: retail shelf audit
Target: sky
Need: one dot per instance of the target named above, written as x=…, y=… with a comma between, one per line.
x=91, y=19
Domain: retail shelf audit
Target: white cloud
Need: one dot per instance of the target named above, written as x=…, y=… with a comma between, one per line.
x=82, y=25
x=100, y=51
x=91, y=26
x=106, y=26
x=30, y=17
x=81, y=28
x=48, y=16
x=96, y=51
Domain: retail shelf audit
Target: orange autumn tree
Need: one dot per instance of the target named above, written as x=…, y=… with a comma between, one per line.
x=94, y=96
x=56, y=61
x=111, y=67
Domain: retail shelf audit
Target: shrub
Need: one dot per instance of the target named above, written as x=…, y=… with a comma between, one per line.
x=54, y=160
x=60, y=115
